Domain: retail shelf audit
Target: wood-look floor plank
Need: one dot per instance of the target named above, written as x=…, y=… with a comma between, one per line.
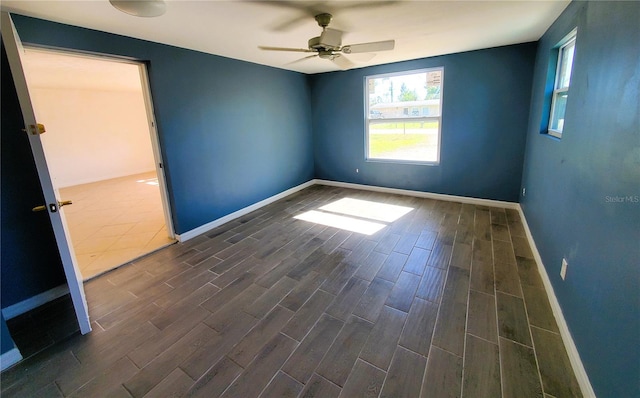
x=282, y=386
x=426, y=239
x=348, y=298
x=392, y=266
x=216, y=380
x=225, y=295
x=212, y=350
x=506, y=278
x=344, y=351
x=108, y=380
x=387, y=243
x=440, y=255
x=370, y=266
x=481, y=320
x=418, y=329
x=364, y=380
x=512, y=319
x=528, y=272
x=481, y=369
x=403, y=292
x=405, y=243
x=302, y=291
x=461, y=255
x=312, y=349
x=373, y=299
x=538, y=308
x=450, y=327
x=269, y=299
x=175, y=385
x=443, y=377
x=555, y=366
x=431, y=284
x=519, y=371
x=404, y=378
x=319, y=387
x=188, y=303
x=244, y=352
x=307, y=315
x=482, y=277
x=161, y=366
x=503, y=252
x=382, y=341
x=257, y=375
x=417, y=261
x=145, y=353
x=222, y=319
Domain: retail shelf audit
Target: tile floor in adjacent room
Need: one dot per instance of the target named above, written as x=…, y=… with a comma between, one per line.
x=114, y=221
x=429, y=299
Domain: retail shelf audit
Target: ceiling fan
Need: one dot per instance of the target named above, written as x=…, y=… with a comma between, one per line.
x=329, y=45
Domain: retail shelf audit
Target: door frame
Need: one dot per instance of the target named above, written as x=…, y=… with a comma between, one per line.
x=149, y=114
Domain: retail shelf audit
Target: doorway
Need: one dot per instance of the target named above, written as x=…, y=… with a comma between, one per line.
x=103, y=155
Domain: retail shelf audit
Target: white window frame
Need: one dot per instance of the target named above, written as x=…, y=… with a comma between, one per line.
x=409, y=119
x=566, y=42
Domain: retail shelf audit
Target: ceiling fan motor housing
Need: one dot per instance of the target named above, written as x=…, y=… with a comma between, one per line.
x=329, y=40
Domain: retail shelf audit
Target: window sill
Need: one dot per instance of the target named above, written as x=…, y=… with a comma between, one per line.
x=554, y=133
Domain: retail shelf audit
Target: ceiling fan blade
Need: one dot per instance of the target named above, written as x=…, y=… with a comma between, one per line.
x=298, y=50
x=361, y=57
x=301, y=59
x=369, y=47
x=343, y=62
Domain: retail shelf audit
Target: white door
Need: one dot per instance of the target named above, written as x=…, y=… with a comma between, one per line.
x=13, y=47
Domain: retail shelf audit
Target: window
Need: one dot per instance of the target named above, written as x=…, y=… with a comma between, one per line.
x=404, y=116
x=561, y=85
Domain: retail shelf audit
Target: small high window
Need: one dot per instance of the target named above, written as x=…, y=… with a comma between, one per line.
x=566, y=50
x=404, y=116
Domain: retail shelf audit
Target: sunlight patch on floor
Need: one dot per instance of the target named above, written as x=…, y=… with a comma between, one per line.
x=356, y=215
x=367, y=209
x=342, y=222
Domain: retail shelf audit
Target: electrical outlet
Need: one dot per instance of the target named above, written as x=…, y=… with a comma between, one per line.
x=357, y=170
x=563, y=270
x=524, y=191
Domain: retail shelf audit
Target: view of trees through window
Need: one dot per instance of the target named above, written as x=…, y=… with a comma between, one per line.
x=404, y=116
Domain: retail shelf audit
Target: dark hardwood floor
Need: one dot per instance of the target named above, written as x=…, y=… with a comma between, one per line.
x=445, y=301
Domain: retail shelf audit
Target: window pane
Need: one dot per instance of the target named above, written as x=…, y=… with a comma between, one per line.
x=408, y=141
x=566, y=62
x=405, y=96
x=559, y=105
x=404, y=116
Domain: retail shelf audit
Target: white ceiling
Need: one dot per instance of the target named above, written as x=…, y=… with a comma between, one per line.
x=236, y=28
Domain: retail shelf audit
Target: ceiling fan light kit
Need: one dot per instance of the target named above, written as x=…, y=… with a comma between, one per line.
x=329, y=45
x=141, y=8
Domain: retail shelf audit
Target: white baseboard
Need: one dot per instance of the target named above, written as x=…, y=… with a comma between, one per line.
x=572, y=350
x=20, y=308
x=420, y=194
x=229, y=217
x=10, y=358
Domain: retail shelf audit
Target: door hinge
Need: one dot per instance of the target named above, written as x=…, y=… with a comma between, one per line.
x=36, y=129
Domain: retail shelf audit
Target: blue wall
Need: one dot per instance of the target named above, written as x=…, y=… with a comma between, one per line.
x=484, y=120
x=232, y=133
x=572, y=186
x=30, y=259
x=6, y=342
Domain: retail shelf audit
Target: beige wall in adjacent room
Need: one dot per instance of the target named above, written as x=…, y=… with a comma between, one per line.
x=93, y=134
